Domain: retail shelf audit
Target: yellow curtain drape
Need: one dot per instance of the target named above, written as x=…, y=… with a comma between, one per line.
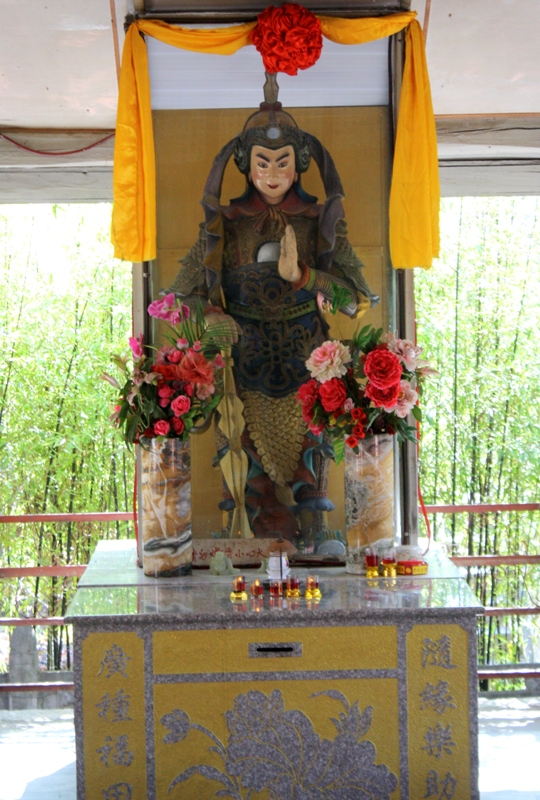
x=133, y=230
x=415, y=191
x=414, y=196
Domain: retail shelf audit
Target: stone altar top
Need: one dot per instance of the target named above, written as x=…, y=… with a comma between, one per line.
x=113, y=587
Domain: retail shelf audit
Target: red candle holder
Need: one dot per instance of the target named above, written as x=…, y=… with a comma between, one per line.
x=312, y=587
x=239, y=589
x=372, y=558
x=276, y=588
x=256, y=589
x=293, y=586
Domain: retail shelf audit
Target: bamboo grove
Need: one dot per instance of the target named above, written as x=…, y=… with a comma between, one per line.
x=478, y=314
x=65, y=306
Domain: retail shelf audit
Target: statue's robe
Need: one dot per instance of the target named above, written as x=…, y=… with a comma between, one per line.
x=281, y=324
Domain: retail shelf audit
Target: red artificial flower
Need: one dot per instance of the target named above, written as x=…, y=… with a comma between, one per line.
x=307, y=413
x=383, y=397
x=167, y=371
x=333, y=394
x=383, y=368
x=161, y=427
x=351, y=441
x=359, y=432
x=178, y=425
x=288, y=38
x=358, y=415
x=308, y=393
x=195, y=368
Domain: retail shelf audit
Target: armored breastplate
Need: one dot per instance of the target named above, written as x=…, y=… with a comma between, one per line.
x=280, y=326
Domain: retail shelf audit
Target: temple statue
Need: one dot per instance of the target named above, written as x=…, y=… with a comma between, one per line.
x=269, y=259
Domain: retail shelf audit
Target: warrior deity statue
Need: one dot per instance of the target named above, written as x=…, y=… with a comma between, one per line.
x=267, y=259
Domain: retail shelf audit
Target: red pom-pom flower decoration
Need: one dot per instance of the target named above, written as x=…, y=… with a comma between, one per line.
x=288, y=38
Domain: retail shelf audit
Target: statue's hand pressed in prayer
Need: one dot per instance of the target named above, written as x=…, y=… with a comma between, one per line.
x=288, y=259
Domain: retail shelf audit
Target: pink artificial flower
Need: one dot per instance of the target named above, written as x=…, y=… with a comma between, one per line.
x=186, y=311
x=218, y=361
x=165, y=393
x=162, y=354
x=161, y=427
x=197, y=346
x=316, y=428
x=175, y=357
x=180, y=405
x=136, y=345
x=348, y=405
x=164, y=309
x=205, y=390
x=328, y=361
x=407, y=399
x=425, y=370
x=407, y=352
x=182, y=344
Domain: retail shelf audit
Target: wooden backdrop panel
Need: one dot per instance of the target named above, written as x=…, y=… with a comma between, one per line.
x=186, y=142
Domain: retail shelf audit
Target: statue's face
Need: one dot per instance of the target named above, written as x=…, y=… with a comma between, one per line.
x=272, y=172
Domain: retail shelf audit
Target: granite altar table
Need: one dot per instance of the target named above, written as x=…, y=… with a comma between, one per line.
x=180, y=693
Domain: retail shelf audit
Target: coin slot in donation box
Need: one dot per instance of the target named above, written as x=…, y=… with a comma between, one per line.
x=275, y=649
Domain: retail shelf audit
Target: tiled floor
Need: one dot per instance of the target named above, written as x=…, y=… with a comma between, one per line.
x=37, y=752
x=37, y=755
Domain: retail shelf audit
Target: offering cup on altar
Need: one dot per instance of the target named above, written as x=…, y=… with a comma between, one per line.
x=276, y=588
x=239, y=593
x=372, y=562
x=388, y=563
x=256, y=589
x=293, y=586
x=312, y=587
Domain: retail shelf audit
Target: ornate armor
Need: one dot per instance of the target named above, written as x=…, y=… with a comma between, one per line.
x=234, y=264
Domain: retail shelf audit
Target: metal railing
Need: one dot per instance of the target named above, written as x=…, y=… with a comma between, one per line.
x=485, y=672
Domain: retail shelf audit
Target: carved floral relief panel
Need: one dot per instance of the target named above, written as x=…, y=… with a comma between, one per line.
x=277, y=740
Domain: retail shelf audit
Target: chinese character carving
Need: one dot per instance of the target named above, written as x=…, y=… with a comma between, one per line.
x=437, y=697
x=437, y=653
x=439, y=740
x=114, y=662
x=118, y=705
x=122, y=757
x=441, y=789
x=105, y=751
x=120, y=791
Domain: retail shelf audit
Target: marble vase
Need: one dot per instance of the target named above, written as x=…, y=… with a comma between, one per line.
x=166, y=507
x=369, y=498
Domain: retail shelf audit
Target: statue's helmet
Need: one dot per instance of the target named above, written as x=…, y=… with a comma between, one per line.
x=274, y=128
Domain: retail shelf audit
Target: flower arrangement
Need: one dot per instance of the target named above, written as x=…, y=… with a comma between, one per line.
x=166, y=394
x=362, y=388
